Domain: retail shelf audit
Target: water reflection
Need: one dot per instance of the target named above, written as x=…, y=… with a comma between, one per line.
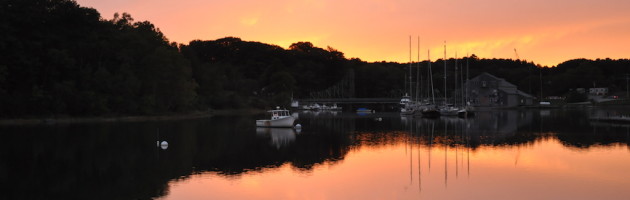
x=370, y=157
x=280, y=137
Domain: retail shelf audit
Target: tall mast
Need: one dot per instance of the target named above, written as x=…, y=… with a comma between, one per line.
x=428, y=91
x=418, y=73
x=461, y=78
x=410, y=81
x=541, y=88
x=467, y=97
x=431, y=76
x=445, y=73
x=455, y=86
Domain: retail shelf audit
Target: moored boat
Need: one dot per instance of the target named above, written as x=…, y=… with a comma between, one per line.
x=409, y=108
x=279, y=118
x=465, y=112
x=364, y=110
x=448, y=111
x=430, y=111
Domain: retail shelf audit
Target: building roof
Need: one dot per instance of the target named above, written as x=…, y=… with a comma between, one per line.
x=524, y=94
x=517, y=92
x=502, y=82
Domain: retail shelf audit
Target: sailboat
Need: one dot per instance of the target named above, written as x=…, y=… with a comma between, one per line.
x=429, y=110
x=446, y=109
x=467, y=110
x=408, y=105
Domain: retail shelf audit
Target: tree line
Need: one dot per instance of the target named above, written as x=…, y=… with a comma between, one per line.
x=59, y=58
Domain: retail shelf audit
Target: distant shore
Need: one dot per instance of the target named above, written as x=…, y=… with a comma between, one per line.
x=134, y=118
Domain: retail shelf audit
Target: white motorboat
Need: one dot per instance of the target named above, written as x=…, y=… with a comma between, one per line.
x=279, y=118
x=405, y=100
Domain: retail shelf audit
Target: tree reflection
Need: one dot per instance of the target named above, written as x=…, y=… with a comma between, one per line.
x=121, y=160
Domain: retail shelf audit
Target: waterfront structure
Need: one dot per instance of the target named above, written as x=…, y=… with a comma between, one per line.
x=487, y=90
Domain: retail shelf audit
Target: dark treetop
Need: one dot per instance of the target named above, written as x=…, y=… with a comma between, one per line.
x=62, y=59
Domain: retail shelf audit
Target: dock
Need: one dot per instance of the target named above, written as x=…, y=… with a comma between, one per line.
x=616, y=119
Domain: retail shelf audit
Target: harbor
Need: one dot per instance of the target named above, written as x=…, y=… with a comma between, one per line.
x=227, y=156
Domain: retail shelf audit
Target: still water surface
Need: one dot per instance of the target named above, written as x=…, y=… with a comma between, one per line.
x=507, y=154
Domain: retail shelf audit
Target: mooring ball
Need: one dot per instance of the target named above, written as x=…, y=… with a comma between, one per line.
x=164, y=145
x=298, y=126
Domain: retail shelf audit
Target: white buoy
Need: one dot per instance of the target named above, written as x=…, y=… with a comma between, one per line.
x=158, y=143
x=298, y=128
x=164, y=145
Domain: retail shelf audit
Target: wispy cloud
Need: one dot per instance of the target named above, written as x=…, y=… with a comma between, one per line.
x=546, y=32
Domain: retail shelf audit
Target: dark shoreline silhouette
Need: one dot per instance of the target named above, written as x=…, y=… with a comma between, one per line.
x=61, y=59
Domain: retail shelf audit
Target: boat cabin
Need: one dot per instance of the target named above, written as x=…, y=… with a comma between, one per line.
x=279, y=114
x=405, y=100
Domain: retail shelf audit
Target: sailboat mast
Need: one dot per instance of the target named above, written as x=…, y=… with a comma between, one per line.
x=461, y=78
x=541, y=88
x=455, y=86
x=445, y=97
x=467, y=97
x=418, y=73
x=410, y=81
x=431, y=77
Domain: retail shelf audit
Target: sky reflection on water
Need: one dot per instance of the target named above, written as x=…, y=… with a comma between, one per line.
x=507, y=154
x=429, y=159
x=543, y=170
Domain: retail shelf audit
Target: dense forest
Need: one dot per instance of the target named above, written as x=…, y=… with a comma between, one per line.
x=59, y=58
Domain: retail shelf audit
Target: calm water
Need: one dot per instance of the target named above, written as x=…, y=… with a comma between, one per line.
x=508, y=154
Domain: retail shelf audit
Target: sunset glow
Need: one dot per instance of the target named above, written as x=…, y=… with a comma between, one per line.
x=512, y=172
x=545, y=32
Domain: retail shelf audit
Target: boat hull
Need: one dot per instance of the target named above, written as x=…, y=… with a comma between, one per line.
x=449, y=111
x=465, y=113
x=282, y=122
x=430, y=113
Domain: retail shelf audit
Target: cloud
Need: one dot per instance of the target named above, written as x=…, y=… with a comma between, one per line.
x=546, y=32
x=249, y=21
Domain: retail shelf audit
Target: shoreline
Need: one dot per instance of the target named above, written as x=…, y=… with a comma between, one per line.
x=128, y=118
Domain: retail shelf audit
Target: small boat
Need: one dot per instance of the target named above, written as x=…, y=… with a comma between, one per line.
x=405, y=100
x=279, y=118
x=430, y=111
x=364, y=110
x=465, y=112
x=408, y=109
x=449, y=111
x=334, y=107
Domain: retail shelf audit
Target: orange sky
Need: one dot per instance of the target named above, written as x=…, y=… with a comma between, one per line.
x=543, y=31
